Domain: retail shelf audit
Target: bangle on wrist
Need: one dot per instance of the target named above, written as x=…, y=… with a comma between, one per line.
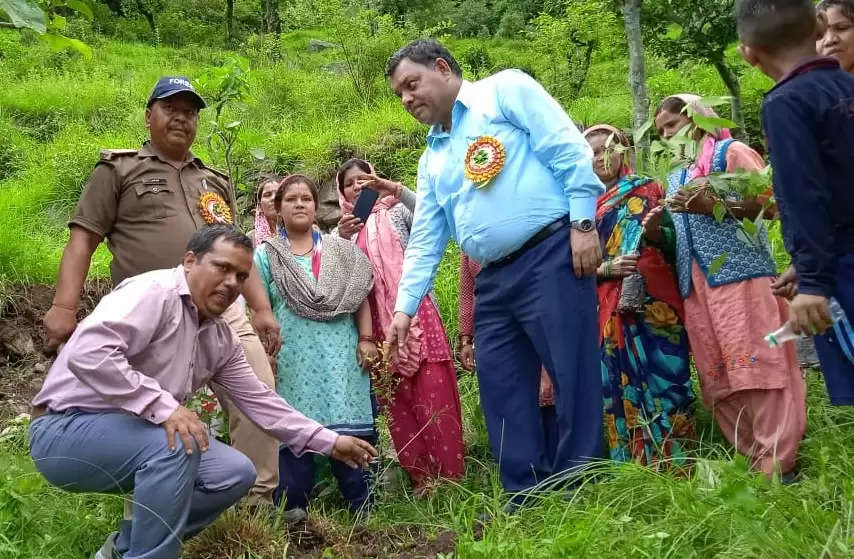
x=68, y=308
x=367, y=339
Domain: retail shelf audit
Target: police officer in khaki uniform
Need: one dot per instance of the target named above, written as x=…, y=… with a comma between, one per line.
x=147, y=203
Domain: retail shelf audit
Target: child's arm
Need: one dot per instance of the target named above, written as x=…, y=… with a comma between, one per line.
x=801, y=191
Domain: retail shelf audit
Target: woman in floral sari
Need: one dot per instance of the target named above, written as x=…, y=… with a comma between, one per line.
x=645, y=370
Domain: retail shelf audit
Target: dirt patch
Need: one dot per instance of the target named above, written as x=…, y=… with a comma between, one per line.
x=313, y=540
x=23, y=362
x=237, y=535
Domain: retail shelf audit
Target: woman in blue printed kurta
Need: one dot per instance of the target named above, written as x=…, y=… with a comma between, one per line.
x=318, y=287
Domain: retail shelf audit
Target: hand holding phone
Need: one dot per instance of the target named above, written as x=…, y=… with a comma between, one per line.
x=365, y=203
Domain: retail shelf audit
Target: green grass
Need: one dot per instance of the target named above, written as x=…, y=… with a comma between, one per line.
x=722, y=510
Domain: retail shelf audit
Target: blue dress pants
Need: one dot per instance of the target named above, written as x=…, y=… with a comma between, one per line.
x=528, y=312
x=175, y=495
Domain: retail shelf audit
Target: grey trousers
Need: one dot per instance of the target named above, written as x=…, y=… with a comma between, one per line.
x=175, y=495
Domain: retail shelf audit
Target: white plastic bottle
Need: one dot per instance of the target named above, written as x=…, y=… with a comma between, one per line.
x=784, y=334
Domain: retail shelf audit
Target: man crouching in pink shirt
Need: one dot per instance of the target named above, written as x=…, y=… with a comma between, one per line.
x=110, y=416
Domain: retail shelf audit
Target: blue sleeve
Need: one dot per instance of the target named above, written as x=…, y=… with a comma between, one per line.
x=555, y=140
x=260, y=258
x=802, y=191
x=427, y=242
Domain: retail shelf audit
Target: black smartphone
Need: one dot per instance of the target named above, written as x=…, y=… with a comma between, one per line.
x=365, y=203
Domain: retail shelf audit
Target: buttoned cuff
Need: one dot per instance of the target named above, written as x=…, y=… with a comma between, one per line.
x=160, y=409
x=582, y=207
x=407, y=304
x=322, y=442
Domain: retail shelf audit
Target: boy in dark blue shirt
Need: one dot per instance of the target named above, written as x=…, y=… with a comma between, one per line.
x=808, y=118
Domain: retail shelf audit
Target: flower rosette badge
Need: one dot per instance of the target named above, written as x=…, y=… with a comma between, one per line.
x=214, y=209
x=484, y=160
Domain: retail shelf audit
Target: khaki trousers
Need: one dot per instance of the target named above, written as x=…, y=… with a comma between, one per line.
x=262, y=449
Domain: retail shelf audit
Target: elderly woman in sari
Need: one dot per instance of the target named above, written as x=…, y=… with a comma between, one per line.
x=318, y=286
x=645, y=364
x=425, y=414
x=756, y=393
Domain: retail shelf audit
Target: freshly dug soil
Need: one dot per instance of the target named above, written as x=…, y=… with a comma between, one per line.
x=23, y=361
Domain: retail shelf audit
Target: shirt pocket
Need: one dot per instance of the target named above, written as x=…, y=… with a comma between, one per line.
x=154, y=198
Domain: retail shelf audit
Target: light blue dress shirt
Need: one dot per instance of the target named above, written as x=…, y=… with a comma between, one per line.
x=547, y=174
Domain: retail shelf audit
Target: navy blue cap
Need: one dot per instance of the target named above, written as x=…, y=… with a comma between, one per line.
x=172, y=85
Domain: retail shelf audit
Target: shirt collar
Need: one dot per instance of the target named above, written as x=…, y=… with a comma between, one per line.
x=148, y=150
x=181, y=281
x=811, y=63
x=465, y=98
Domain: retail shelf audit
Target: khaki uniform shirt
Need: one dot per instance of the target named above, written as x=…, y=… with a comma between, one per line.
x=146, y=207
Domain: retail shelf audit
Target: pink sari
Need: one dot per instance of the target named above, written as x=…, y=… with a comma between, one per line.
x=425, y=414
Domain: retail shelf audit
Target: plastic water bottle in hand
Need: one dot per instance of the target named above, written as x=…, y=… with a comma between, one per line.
x=785, y=334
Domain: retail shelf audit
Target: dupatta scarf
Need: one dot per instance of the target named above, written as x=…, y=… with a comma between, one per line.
x=341, y=281
x=380, y=241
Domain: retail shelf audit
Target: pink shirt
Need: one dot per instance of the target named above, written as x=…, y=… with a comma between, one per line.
x=143, y=351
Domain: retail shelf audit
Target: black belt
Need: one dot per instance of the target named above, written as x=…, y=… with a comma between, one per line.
x=541, y=235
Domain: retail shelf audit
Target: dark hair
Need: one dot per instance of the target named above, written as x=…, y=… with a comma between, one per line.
x=775, y=25
x=673, y=105
x=291, y=180
x=424, y=52
x=361, y=164
x=846, y=6
x=263, y=179
x=203, y=240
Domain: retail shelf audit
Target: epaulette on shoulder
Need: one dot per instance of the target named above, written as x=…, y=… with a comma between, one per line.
x=111, y=154
x=222, y=175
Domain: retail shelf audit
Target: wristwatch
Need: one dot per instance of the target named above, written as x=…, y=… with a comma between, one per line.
x=583, y=225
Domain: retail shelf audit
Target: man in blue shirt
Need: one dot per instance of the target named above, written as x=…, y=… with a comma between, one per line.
x=509, y=176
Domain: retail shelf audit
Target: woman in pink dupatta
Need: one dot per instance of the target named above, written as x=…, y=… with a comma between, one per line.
x=756, y=394
x=425, y=416
x=266, y=217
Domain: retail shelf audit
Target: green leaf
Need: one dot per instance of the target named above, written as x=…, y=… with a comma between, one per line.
x=749, y=227
x=715, y=101
x=57, y=23
x=717, y=264
x=639, y=134
x=719, y=211
x=25, y=13
x=81, y=8
x=674, y=32
x=710, y=123
x=61, y=42
x=232, y=125
x=258, y=153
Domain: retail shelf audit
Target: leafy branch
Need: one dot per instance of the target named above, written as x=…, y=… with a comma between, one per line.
x=726, y=189
x=227, y=87
x=46, y=20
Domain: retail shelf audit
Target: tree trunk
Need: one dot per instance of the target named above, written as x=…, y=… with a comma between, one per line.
x=584, y=71
x=272, y=22
x=149, y=17
x=229, y=19
x=730, y=79
x=637, y=67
